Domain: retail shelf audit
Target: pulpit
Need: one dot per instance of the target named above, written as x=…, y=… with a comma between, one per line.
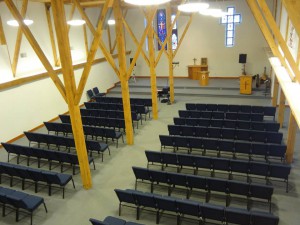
x=194, y=71
x=246, y=84
x=203, y=78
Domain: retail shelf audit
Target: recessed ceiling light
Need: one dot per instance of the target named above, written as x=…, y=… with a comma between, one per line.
x=146, y=2
x=192, y=7
x=76, y=22
x=15, y=23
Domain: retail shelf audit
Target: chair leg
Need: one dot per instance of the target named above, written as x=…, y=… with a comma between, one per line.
x=157, y=217
x=45, y=207
x=17, y=215
x=73, y=183
x=49, y=190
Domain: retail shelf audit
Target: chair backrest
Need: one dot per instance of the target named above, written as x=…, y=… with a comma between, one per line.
x=96, y=90
x=90, y=93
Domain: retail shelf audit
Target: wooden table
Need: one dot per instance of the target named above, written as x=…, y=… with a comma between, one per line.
x=194, y=71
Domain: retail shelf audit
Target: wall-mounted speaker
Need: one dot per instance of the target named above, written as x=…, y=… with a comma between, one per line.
x=243, y=58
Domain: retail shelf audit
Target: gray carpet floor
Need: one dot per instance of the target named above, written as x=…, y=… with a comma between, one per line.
x=115, y=172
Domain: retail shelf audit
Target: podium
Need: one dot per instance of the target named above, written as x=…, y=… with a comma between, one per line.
x=203, y=78
x=246, y=84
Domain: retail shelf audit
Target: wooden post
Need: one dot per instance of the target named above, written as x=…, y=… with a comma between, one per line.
x=291, y=138
x=69, y=80
x=281, y=108
x=122, y=71
x=275, y=92
x=18, y=40
x=51, y=34
x=170, y=50
x=86, y=44
x=152, y=72
x=2, y=35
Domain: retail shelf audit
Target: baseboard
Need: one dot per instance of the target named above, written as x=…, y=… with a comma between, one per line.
x=35, y=128
x=180, y=77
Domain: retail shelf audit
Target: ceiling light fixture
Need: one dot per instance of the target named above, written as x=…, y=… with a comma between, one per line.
x=146, y=2
x=15, y=23
x=213, y=12
x=111, y=22
x=192, y=7
x=76, y=22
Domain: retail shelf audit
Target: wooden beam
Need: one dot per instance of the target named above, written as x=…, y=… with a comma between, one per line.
x=149, y=25
x=109, y=38
x=291, y=138
x=34, y=44
x=275, y=92
x=171, y=55
x=152, y=71
x=273, y=26
x=122, y=70
x=51, y=34
x=281, y=108
x=93, y=50
x=2, y=34
x=115, y=42
x=135, y=40
x=267, y=34
x=18, y=40
x=184, y=33
x=293, y=9
x=68, y=75
x=86, y=44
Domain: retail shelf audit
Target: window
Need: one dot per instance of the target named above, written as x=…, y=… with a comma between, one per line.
x=230, y=21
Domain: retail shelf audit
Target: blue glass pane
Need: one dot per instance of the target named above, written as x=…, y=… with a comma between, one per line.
x=224, y=19
x=230, y=34
x=237, y=18
x=230, y=10
x=230, y=26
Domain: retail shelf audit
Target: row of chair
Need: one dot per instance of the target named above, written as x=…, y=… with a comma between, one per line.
x=226, y=133
x=237, y=124
x=110, y=220
x=134, y=101
x=20, y=201
x=111, y=114
x=207, y=184
x=66, y=142
x=98, y=121
x=233, y=147
x=66, y=128
x=266, y=110
x=225, y=165
x=184, y=207
x=221, y=115
x=35, y=175
x=50, y=155
x=139, y=109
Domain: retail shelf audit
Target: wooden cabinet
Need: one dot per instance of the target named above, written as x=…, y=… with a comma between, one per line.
x=195, y=71
x=246, y=84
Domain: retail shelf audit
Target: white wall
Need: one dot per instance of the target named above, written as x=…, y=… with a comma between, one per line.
x=27, y=106
x=206, y=38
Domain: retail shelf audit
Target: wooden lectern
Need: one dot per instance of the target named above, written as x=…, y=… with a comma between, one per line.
x=246, y=84
x=203, y=78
